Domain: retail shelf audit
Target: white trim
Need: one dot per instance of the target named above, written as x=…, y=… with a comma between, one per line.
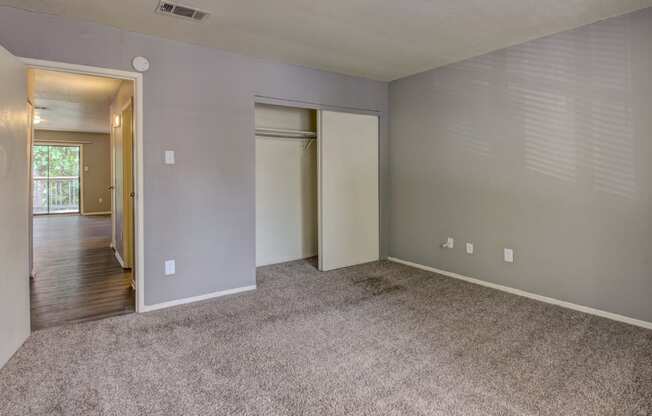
x=79, y=69
x=81, y=178
x=73, y=130
x=97, y=213
x=288, y=102
x=111, y=187
x=119, y=258
x=163, y=305
x=320, y=213
x=140, y=207
x=59, y=143
x=553, y=301
x=139, y=216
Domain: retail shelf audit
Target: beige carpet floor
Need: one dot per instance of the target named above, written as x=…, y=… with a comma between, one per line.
x=376, y=339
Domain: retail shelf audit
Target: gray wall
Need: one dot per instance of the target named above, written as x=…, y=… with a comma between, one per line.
x=200, y=103
x=545, y=148
x=96, y=156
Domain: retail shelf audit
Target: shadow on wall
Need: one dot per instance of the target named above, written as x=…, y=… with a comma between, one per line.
x=567, y=97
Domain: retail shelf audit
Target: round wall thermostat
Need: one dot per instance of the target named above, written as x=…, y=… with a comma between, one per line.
x=140, y=63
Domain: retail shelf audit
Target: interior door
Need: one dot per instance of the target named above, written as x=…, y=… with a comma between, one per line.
x=128, y=178
x=14, y=206
x=348, y=190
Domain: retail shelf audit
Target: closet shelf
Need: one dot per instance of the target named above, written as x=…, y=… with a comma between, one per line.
x=290, y=134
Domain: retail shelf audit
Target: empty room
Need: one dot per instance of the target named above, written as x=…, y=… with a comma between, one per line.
x=214, y=207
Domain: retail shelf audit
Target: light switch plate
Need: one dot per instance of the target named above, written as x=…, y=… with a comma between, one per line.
x=509, y=255
x=169, y=267
x=469, y=248
x=169, y=157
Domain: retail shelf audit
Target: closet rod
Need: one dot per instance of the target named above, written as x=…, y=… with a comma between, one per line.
x=290, y=134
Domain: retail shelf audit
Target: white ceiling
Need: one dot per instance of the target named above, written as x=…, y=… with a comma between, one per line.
x=73, y=102
x=379, y=39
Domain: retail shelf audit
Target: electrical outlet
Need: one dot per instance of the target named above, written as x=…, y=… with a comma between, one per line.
x=469, y=248
x=508, y=255
x=169, y=267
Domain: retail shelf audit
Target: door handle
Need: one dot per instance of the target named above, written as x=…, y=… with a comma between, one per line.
x=132, y=194
x=110, y=188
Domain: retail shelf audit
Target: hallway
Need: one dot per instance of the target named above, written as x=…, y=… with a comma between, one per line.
x=77, y=277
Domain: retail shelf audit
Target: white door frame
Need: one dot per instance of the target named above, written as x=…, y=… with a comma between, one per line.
x=137, y=78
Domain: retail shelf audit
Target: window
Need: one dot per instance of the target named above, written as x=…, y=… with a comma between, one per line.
x=55, y=173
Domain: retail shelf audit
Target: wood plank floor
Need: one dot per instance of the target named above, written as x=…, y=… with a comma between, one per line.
x=76, y=275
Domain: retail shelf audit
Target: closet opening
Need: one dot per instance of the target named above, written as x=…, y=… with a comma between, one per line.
x=286, y=184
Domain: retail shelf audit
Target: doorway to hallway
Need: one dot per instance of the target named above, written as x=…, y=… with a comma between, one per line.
x=82, y=228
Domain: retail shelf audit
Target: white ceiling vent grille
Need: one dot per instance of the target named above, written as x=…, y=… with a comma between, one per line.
x=177, y=10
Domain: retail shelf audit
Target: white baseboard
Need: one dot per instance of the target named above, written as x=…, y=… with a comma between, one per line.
x=97, y=213
x=553, y=301
x=163, y=305
x=119, y=258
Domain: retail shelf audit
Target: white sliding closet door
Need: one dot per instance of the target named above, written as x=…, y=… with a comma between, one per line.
x=348, y=190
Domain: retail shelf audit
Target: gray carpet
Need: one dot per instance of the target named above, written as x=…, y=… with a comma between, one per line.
x=377, y=339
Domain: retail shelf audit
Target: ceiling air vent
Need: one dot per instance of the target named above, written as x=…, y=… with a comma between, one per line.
x=177, y=10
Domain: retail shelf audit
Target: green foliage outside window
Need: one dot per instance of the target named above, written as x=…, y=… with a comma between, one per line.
x=55, y=171
x=56, y=161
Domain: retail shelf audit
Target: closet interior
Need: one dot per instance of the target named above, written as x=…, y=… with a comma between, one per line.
x=286, y=184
